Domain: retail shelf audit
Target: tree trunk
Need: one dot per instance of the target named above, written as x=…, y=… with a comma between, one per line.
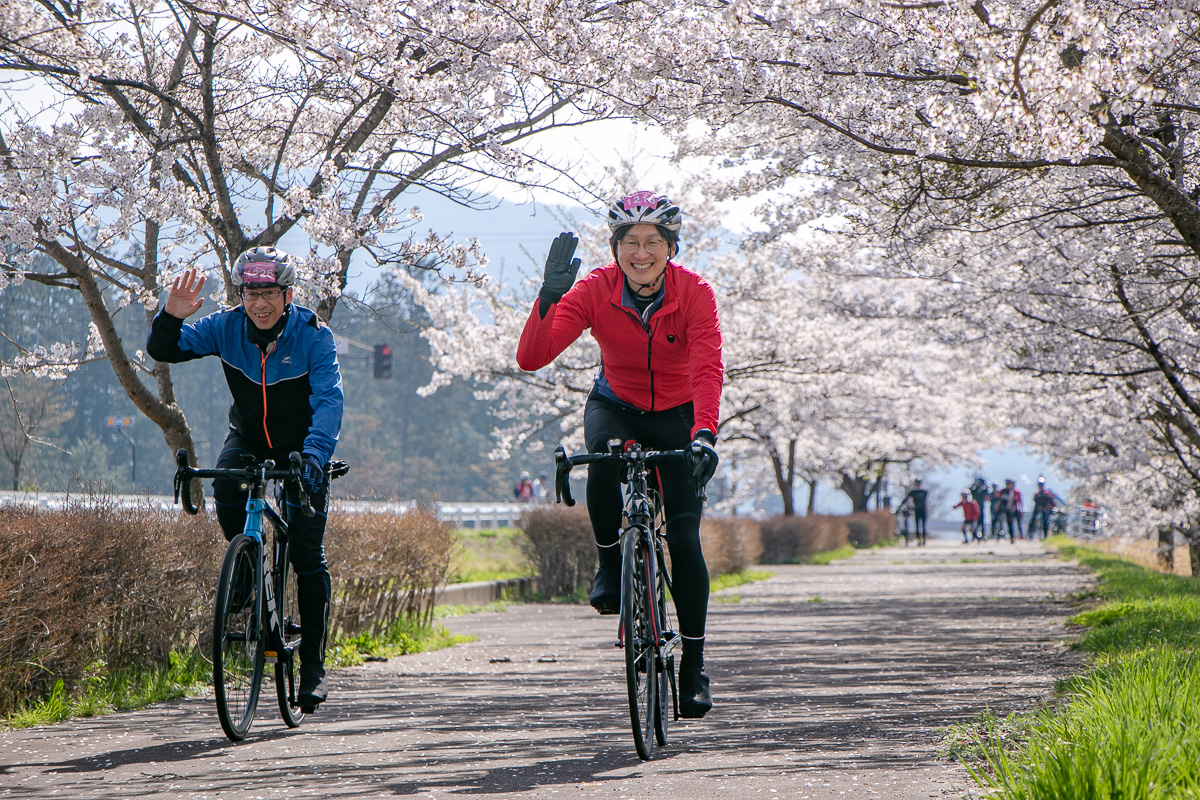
x=812, y=498
x=1166, y=548
x=858, y=488
x=785, y=476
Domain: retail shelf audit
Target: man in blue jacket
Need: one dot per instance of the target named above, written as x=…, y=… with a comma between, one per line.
x=282, y=370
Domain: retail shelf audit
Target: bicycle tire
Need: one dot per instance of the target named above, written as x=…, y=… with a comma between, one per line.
x=637, y=573
x=287, y=667
x=238, y=643
x=667, y=703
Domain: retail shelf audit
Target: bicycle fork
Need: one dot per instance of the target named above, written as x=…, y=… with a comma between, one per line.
x=273, y=634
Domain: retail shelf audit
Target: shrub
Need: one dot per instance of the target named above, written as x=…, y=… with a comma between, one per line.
x=384, y=567
x=96, y=586
x=731, y=544
x=97, y=582
x=869, y=528
x=561, y=543
x=787, y=540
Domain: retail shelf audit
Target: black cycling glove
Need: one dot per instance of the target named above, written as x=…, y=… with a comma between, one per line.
x=312, y=474
x=561, y=268
x=702, y=457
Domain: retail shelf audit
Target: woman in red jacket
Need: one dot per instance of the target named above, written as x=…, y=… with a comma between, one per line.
x=659, y=384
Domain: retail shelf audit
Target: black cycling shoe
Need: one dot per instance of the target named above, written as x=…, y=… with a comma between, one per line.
x=313, y=690
x=606, y=592
x=695, y=700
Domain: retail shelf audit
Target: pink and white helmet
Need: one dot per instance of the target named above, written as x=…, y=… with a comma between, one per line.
x=644, y=206
x=263, y=266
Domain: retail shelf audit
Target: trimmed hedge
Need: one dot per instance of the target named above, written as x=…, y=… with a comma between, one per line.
x=97, y=582
x=561, y=544
x=787, y=540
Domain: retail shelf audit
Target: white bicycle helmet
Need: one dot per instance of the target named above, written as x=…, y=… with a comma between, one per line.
x=262, y=267
x=644, y=206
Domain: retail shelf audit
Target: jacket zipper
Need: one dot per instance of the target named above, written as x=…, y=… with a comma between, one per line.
x=649, y=350
x=266, y=353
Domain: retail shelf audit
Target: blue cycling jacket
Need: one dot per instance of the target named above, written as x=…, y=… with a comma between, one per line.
x=287, y=397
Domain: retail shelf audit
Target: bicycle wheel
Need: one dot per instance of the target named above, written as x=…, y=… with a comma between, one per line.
x=237, y=638
x=667, y=704
x=637, y=609
x=287, y=667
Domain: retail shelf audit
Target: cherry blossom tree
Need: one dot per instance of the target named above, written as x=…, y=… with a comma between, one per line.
x=1033, y=160
x=142, y=138
x=819, y=382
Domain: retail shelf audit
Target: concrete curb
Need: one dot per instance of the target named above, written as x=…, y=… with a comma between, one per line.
x=480, y=593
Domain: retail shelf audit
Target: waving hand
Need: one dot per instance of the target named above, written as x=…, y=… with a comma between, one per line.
x=184, y=298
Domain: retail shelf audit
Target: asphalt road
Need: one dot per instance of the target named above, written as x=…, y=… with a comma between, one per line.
x=829, y=681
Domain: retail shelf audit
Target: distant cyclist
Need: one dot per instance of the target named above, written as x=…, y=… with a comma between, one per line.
x=979, y=493
x=659, y=384
x=1044, y=501
x=970, y=511
x=917, y=496
x=1011, y=508
x=283, y=373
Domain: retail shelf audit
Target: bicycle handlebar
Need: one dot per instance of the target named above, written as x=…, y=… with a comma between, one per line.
x=257, y=474
x=563, y=464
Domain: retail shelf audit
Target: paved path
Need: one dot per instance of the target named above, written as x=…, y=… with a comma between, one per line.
x=830, y=682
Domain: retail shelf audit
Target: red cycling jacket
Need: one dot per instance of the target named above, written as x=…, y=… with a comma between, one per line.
x=674, y=359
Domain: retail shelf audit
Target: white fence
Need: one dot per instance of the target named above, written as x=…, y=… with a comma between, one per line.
x=461, y=515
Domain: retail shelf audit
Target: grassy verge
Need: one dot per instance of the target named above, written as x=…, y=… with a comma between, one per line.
x=190, y=673
x=739, y=578
x=830, y=556
x=1127, y=727
x=490, y=554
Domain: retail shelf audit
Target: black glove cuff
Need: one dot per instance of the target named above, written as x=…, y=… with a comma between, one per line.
x=549, y=295
x=707, y=435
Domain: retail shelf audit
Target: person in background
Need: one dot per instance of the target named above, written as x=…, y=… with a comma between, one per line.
x=917, y=496
x=970, y=511
x=1044, y=501
x=1011, y=508
x=541, y=490
x=523, y=490
x=996, y=501
x=979, y=493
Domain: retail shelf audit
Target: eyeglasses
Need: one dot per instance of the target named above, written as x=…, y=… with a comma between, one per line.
x=270, y=295
x=651, y=245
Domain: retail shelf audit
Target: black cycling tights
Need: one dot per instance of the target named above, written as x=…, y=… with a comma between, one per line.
x=653, y=430
x=306, y=535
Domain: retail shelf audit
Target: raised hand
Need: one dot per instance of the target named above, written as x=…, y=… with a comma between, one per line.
x=561, y=268
x=184, y=298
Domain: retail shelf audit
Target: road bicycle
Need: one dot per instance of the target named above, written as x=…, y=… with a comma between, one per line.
x=257, y=618
x=646, y=631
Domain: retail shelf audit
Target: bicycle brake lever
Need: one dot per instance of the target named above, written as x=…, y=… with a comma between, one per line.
x=183, y=483
x=306, y=508
x=562, y=478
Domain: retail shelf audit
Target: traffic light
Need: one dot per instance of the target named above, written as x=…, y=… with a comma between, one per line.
x=383, y=361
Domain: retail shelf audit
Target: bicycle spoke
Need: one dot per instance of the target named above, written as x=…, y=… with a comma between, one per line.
x=238, y=638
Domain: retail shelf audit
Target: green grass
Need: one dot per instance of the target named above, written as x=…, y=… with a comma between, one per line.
x=1127, y=728
x=830, y=556
x=740, y=578
x=490, y=554
x=104, y=691
x=401, y=638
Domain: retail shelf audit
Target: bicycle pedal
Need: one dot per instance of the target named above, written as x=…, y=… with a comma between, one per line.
x=271, y=656
x=308, y=709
